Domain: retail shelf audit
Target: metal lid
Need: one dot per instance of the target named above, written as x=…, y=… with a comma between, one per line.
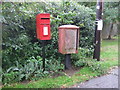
x=69, y=26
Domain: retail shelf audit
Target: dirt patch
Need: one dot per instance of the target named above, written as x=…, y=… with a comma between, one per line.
x=25, y=81
x=71, y=71
x=57, y=74
x=1, y=85
x=68, y=72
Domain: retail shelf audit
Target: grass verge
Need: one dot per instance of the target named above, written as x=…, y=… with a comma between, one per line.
x=63, y=81
x=109, y=55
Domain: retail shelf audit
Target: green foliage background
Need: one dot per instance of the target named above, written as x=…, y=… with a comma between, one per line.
x=21, y=48
x=19, y=36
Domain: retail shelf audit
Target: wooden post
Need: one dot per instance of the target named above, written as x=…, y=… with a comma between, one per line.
x=97, y=40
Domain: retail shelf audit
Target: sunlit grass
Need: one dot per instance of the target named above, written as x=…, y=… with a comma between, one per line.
x=109, y=50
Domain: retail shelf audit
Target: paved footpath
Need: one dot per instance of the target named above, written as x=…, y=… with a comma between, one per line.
x=106, y=81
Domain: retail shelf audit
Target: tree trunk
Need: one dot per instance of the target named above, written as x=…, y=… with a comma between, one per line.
x=110, y=30
x=110, y=33
x=109, y=37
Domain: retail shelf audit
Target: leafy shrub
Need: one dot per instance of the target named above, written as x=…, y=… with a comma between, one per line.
x=96, y=67
x=80, y=63
x=82, y=53
x=92, y=64
x=10, y=77
x=0, y=75
x=33, y=67
x=83, y=58
x=54, y=65
x=20, y=42
x=31, y=70
x=19, y=53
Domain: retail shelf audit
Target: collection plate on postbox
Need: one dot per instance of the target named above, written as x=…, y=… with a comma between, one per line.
x=68, y=39
x=43, y=26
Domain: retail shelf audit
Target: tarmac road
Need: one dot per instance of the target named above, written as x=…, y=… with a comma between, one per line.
x=106, y=81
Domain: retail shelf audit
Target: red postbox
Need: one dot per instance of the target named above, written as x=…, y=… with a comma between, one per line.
x=43, y=26
x=68, y=39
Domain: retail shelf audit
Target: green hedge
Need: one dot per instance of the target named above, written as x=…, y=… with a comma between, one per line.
x=19, y=32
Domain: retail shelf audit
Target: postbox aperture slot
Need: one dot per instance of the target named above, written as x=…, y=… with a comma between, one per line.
x=45, y=18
